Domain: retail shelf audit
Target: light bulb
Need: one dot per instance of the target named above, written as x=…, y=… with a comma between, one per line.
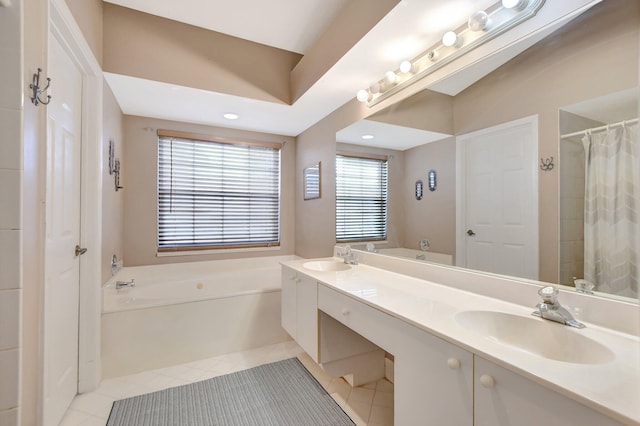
x=479, y=21
x=514, y=4
x=407, y=66
x=374, y=88
x=450, y=38
x=390, y=77
x=362, y=95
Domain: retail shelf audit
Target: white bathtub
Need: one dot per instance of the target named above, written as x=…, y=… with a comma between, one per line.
x=427, y=256
x=183, y=312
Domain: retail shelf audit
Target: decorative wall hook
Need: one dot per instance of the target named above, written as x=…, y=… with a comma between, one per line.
x=546, y=164
x=37, y=91
x=116, y=173
x=112, y=156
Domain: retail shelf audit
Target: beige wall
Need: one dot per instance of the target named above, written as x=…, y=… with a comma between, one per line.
x=433, y=217
x=88, y=15
x=146, y=46
x=316, y=219
x=140, y=196
x=595, y=55
x=112, y=200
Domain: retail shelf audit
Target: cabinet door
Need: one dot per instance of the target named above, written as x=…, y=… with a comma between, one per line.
x=307, y=315
x=288, y=301
x=504, y=398
x=433, y=382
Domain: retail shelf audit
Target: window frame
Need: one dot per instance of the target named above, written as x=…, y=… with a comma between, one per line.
x=213, y=248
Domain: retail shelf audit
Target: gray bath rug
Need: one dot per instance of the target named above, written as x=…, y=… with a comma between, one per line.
x=282, y=393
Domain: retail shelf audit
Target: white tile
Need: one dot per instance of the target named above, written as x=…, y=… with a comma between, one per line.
x=93, y=403
x=9, y=370
x=9, y=417
x=10, y=185
x=11, y=83
x=10, y=250
x=10, y=138
x=9, y=319
x=74, y=418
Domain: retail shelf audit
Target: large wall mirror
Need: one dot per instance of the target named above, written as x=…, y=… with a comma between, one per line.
x=533, y=115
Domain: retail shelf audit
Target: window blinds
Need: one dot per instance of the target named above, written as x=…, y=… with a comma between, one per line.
x=217, y=195
x=361, y=198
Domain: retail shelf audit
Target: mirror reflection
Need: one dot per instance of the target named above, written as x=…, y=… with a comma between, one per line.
x=514, y=155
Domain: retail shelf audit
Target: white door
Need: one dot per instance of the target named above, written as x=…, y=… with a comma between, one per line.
x=62, y=266
x=497, y=226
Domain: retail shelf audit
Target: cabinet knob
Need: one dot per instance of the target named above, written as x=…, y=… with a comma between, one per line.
x=487, y=381
x=453, y=363
x=345, y=311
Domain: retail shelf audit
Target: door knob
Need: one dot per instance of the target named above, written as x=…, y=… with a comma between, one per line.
x=80, y=250
x=471, y=233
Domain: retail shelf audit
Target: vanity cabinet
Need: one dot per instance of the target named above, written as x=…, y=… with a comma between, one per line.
x=299, y=310
x=433, y=379
x=504, y=398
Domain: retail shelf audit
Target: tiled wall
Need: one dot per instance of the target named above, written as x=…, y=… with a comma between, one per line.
x=10, y=208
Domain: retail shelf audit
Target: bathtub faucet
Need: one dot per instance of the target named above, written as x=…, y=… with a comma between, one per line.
x=120, y=284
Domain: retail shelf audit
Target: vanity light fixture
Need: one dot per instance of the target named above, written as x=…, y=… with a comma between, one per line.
x=363, y=95
x=231, y=116
x=407, y=67
x=479, y=21
x=450, y=38
x=514, y=4
x=481, y=27
x=391, y=77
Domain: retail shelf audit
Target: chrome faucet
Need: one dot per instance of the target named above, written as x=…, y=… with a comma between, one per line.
x=120, y=284
x=349, y=256
x=551, y=309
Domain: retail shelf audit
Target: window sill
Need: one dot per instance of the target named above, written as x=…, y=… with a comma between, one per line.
x=216, y=251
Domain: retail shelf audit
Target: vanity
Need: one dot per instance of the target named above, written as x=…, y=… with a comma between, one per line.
x=467, y=350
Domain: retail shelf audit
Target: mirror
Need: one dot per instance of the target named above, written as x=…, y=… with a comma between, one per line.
x=584, y=75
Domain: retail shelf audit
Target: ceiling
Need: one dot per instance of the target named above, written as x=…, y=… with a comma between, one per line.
x=386, y=135
x=292, y=25
x=410, y=28
x=407, y=30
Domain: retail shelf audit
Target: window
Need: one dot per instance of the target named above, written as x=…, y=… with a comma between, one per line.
x=361, y=197
x=216, y=194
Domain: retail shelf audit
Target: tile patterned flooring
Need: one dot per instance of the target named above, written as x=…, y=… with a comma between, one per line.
x=368, y=405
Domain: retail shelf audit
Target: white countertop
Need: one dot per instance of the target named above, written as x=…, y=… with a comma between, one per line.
x=612, y=388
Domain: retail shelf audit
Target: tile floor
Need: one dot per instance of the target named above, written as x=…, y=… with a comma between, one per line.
x=368, y=405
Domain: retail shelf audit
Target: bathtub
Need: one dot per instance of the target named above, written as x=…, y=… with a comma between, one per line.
x=183, y=312
x=427, y=256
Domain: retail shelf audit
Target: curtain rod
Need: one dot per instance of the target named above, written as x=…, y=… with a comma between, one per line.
x=596, y=129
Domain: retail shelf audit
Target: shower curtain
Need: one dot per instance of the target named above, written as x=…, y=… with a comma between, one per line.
x=611, y=210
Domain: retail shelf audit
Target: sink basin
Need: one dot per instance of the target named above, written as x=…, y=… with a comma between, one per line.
x=537, y=336
x=326, y=265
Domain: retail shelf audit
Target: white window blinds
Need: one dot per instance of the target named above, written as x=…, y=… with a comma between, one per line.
x=361, y=198
x=217, y=195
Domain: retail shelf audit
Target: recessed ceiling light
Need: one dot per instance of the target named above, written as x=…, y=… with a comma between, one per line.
x=231, y=116
x=367, y=137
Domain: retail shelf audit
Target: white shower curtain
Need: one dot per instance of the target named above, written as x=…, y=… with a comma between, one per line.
x=611, y=214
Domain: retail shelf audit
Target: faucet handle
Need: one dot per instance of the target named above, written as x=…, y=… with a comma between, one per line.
x=549, y=294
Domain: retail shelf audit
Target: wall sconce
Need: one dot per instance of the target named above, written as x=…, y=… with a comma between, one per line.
x=37, y=91
x=481, y=27
x=114, y=165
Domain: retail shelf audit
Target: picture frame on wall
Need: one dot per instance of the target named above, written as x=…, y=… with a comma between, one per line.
x=311, y=181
